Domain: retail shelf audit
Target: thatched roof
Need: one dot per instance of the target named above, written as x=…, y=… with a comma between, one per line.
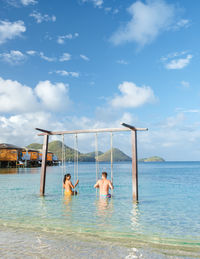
x=9, y=146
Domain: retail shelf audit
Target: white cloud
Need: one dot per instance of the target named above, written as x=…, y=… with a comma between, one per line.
x=179, y=63
x=42, y=18
x=41, y=54
x=15, y=97
x=11, y=30
x=181, y=24
x=18, y=3
x=20, y=130
x=122, y=62
x=53, y=96
x=147, y=22
x=14, y=57
x=132, y=96
x=96, y=3
x=173, y=55
x=31, y=52
x=65, y=57
x=84, y=57
x=185, y=84
x=66, y=73
x=61, y=39
x=28, y=2
x=174, y=121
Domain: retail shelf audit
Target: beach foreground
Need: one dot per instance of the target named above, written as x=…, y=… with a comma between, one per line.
x=15, y=243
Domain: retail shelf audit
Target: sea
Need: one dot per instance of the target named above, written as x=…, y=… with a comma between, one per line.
x=165, y=223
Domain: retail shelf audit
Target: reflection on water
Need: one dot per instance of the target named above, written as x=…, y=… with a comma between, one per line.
x=135, y=216
x=8, y=170
x=31, y=170
x=104, y=207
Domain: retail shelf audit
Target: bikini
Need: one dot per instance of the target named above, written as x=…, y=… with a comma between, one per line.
x=68, y=192
x=105, y=195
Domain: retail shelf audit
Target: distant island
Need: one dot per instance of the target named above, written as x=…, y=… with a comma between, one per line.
x=56, y=148
x=152, y=159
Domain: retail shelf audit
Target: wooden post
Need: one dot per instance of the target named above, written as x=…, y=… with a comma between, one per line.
x=134, y=165
x=44, y=164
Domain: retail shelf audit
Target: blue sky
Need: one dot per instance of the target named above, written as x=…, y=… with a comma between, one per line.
x=81, y=64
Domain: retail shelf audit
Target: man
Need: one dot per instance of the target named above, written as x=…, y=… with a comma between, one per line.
x=104, y=184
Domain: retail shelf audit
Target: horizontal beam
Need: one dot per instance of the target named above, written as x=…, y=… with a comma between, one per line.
x=132, y=127
x=46, y=131
x=88, y=131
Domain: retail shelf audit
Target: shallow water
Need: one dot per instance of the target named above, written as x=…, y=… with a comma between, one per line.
x=164, y=222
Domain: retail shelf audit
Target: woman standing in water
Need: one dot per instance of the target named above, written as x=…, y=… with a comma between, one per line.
x=68, y=186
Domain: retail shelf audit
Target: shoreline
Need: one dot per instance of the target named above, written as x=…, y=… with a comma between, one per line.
x=114, y=247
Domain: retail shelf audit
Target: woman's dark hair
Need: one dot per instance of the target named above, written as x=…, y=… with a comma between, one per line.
x=66, y=176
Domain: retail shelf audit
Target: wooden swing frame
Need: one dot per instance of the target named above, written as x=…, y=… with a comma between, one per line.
x=127, y=127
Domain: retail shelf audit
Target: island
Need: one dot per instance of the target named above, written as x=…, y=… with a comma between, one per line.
x=152, y=159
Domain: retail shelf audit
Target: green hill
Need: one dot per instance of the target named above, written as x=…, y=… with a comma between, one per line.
x=56, y=148
x=152, y=159
x=118, y=156
x=35, y=146
x=89, y=157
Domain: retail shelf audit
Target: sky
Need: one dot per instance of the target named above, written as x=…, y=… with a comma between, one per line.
x=84, y=64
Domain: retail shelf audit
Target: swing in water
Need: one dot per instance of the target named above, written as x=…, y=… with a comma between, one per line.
x=103, y=184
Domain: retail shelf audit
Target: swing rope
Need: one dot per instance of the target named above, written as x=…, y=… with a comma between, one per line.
x=96, y=159
x=75, y=158
x=111, y=158
x=63, y=159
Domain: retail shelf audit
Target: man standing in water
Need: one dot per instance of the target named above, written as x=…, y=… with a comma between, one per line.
x=104, y=184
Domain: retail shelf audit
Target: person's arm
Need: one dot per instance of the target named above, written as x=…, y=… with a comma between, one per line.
x=111, y=185
x=96, y=185
x=71, y=185
x=76, y=183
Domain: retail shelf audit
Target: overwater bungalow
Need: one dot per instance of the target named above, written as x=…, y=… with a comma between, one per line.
x=30, y=156
x=9, y=155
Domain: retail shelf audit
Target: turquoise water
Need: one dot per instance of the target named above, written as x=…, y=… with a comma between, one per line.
x=166, y=219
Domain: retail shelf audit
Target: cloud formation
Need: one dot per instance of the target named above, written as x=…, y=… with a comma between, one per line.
x=14, y=57
x=132, y=96
x=46, y=96
x=122, y=62
x=41, y=55
x=65, y=57
x=65, y=73
x=147, y=22
x=28, y=2
x=84, y=57
x=185, y=84
x=11, y=30
x=96, y=3
x=61, y=39
x=179, y=63
x=54, y=97
x=42, y=18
